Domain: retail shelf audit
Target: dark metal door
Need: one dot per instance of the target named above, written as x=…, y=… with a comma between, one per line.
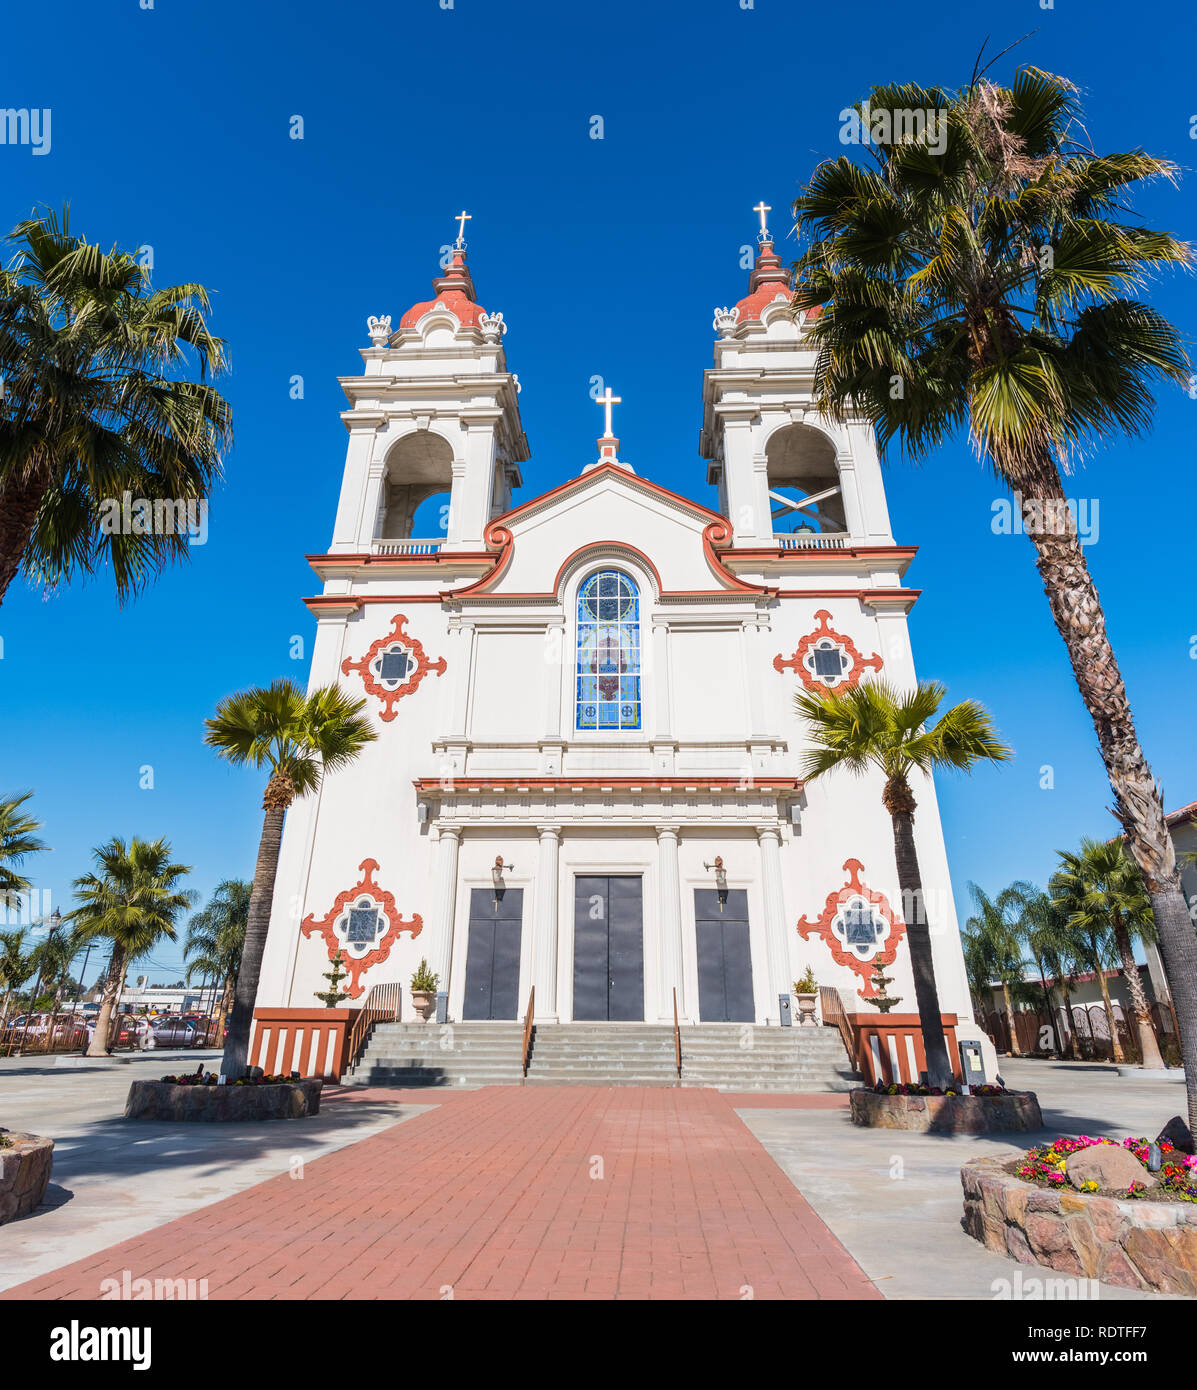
x=609, y=948
x=724, y=957
x=493, y=956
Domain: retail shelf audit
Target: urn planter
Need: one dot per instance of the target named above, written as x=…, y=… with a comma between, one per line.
x=1133, y=1243
x=806, y=1009
x=166, y=1100
x=424, y=1003
x=1012, y=1111
x=25, y=1164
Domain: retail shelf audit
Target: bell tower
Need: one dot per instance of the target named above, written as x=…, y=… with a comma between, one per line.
x=786, y=476
x=434, y=411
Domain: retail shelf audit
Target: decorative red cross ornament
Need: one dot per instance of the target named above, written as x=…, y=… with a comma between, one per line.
x=363, y=924
x=859, y=926
x=826, y=660
x=393, y=666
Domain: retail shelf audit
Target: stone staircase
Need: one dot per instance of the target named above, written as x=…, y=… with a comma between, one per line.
x=440, y=1054
x=729, y=1057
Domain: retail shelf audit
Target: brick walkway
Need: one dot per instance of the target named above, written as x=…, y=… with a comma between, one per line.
x=509, y=1192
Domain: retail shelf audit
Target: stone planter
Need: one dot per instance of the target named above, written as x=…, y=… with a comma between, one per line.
x=1134, y=1243
x=24, y=1173
x=1016, y=1110
x=424, y=1003
x=806, y=1009
x=163, y=1100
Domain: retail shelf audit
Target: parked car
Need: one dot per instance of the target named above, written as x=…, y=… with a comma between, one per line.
x=173, y=1030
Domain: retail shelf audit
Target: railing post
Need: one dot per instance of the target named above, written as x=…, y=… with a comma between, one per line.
x=677, y=1038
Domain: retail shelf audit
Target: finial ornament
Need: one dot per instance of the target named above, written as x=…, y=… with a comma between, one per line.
x=607, y=401
x=379, y=329
x=761, y=209
x=725, y=321
x=462, y=218
x=492, y=326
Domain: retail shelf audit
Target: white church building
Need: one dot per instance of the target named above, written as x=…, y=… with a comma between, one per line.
x=586, y=776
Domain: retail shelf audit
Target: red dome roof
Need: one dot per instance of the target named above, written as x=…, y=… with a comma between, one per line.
x=454, y=291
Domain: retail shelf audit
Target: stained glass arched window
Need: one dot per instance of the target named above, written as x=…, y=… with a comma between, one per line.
x=607, y=685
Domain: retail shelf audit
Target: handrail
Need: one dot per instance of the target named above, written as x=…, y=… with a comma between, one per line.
x=381, y=1005
x=677, y=1038
x=528, y=1030
x=832, y=1008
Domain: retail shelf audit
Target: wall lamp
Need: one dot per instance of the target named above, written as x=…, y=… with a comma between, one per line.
x=720, y=878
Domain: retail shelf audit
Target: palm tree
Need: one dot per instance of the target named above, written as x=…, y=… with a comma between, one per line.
x=993, y=937
x=133, y=901
x=876, y=726
x=53, y=957
x=15, y=967
x=980, y=281
x=97, y=405
x=17, y=842
x=216, y=939
x=1101, y=889
x=298, y=738
x=1044, y=931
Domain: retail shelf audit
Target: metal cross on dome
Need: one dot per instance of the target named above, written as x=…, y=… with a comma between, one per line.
x=761, y=208
x=462, y=218
x=607, y=401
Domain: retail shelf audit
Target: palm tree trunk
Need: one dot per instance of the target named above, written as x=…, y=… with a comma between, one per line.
x=1047, y=1000
x=1015, y=1050
x=19, y=504
x=1105, y=998
x=1072, y=1043
x=935, y=1048
x=98, y=1046
x=236, y=1048
x=1078, y=615
x=1149, y=1050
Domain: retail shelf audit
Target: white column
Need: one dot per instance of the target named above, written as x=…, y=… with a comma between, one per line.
x=545, y=924
x=360, y=487
x=662, y=680
x=777, y=955
x=445, y=902
x=670, y=922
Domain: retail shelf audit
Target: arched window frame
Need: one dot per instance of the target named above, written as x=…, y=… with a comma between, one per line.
x=624, y=713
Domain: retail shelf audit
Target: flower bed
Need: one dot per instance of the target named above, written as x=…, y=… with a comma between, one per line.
x=195, y=1098
x=25, y=1164
x=1175, y=1180
x=211, y=1079
x=931, y=1110
x=1136, y=1239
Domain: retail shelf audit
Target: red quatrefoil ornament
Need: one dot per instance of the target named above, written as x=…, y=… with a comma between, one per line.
x=393, y=666
x=826, y=660
x=363, y=924
x=859, y=926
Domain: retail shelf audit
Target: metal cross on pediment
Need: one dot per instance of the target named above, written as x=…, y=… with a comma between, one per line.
x=607, y=401
x=761, y=208
x=462, y=218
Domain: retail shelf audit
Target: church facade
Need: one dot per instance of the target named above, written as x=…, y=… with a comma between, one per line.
x=586, y=777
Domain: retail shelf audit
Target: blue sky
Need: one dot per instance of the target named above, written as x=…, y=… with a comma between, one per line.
x=170, y=128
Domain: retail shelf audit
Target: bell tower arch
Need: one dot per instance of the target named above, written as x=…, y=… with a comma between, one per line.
x=434, y=410
x=786, y=475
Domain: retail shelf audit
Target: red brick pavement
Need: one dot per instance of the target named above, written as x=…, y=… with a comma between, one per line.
x=509, y=1192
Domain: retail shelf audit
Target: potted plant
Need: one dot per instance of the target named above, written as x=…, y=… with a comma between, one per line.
x=423, y=991
x=806, y=991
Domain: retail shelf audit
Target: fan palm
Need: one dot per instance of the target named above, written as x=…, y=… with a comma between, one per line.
x=216, y=939
x=1044, y=932
x=983, y=281
x=53, y=957
x=17, y=842
x=992, y=935
x=96, y=405
x=298, y=737
x=15, y=967
x=1101, y=889
x=877, y=727
x=133, y=901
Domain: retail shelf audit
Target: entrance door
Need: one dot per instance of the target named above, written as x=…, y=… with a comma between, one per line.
x=609, y=949
x=492, y=978
x=724, y=956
